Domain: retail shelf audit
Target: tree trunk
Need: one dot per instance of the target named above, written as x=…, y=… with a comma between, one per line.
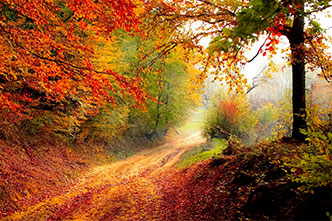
x=296, y=39
x=154, y=132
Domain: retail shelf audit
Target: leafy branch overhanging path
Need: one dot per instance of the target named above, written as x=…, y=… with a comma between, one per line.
x=124, y=190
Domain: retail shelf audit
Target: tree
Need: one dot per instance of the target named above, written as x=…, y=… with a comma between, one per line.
x=167, y=80
x=235, y=25
x=46, y=55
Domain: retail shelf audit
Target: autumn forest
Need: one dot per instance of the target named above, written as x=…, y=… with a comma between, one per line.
x=165, y=110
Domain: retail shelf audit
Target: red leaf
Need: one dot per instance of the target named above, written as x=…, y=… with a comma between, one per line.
x=84, y=25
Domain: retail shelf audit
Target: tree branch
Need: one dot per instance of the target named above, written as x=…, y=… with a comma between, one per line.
x=260, y=48
x=317, y=10
x=256, y=79
x=217, y=6
x=320, y=63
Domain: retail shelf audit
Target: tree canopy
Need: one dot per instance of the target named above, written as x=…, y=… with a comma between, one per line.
x=47, y=50
x=234, y=26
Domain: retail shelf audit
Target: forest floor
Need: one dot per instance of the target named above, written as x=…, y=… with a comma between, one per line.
x=123, y=190
x=242, y=183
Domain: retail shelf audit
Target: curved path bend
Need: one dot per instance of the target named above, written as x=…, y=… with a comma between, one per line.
x=123, y=190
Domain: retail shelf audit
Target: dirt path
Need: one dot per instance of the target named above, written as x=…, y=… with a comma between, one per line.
x=124, y=190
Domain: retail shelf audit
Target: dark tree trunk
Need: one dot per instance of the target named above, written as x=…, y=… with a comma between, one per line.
x=296, y=38
x=166, y=107
x=154, y=132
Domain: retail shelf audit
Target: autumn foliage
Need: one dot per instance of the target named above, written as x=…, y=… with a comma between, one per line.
x=230, y=115
x=78, y=76
x=50, y=84
x=46, y=55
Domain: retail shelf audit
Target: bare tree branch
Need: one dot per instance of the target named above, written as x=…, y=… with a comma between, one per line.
x=255, y=80
x=260, y=48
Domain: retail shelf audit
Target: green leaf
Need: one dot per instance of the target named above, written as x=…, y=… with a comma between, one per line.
x=304, y=131
x=329, y=136
x=227, y=31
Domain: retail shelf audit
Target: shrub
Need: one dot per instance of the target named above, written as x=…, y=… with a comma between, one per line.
x=104, y=127
x=266, y=120
x=230, y=115
x=313, y=166
x=283, y=117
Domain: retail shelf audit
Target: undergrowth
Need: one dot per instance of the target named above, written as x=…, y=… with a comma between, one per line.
x=243, y=183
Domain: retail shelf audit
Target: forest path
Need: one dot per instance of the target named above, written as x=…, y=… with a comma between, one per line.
x=123, y=190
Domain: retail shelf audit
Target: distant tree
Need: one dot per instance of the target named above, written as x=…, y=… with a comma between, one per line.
x=167, y=81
